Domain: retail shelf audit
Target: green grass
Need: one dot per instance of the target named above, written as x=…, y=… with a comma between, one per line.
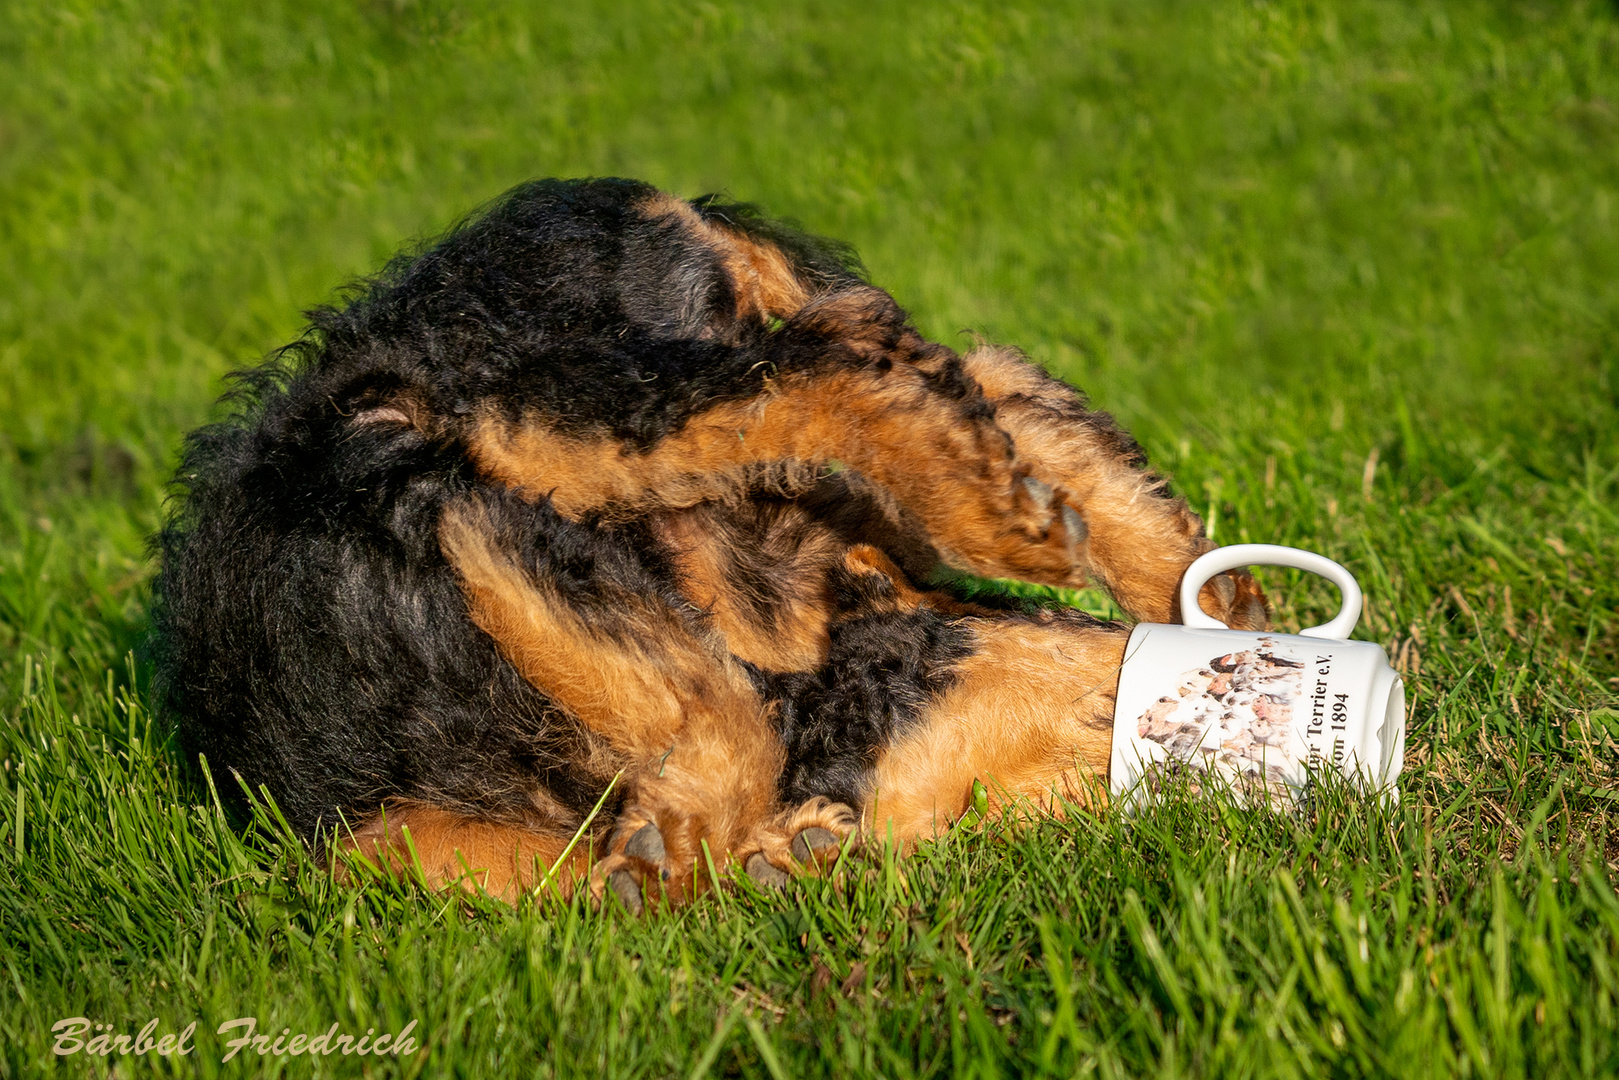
x=1351, y=273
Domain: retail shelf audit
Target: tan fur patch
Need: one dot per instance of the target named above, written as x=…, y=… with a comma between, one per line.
x=794, y=636
x=761, y=275
x=638, y=689
x=502, y=860
x=866, y=559
x=1031, y=717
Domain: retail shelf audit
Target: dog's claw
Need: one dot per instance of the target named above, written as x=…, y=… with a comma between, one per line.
x=765, y=872
x=1075, y=525
x=647, y=843
x=809, y=844
x=628, y=891
x=1038, y=491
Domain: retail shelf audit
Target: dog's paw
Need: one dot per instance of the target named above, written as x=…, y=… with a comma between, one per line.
x=806, y=839
x=1236, y=599
x=648, y=863
x=1043, y=536
x=651, y=864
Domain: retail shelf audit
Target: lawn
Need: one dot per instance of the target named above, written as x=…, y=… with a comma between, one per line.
x=1350, y=271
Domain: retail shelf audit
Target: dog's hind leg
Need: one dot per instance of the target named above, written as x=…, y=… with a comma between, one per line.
x=666, y=704
x=1140, y=537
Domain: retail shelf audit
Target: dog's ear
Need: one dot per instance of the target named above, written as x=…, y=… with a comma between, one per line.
x=375, y=403
x=383, y=414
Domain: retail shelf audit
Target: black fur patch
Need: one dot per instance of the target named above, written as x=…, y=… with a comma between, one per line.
x=883, y=670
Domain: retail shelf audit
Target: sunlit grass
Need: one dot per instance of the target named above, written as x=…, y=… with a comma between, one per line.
x=1350, y=273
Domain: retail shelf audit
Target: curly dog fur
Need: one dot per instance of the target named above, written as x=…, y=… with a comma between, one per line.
x=607, y=484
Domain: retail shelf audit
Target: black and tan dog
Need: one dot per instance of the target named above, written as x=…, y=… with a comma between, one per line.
x=610, y=484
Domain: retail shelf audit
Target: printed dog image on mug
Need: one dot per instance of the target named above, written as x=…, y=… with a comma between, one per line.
x=1234, y=717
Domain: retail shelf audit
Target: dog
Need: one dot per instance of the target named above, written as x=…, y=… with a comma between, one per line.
x=606, y=542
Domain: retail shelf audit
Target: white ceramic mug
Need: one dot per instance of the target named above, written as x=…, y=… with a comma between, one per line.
x=1257, y=713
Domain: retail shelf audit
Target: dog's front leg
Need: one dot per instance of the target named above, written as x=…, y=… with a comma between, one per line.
x=698, y=755
x=1139, y=536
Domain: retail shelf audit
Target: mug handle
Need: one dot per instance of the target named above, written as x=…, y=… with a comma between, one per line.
x=1237, y=555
